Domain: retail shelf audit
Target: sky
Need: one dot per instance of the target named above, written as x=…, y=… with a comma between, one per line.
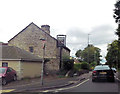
x=74, y=18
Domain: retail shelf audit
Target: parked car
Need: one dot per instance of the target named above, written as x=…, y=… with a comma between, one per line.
x=103, y=72
x=114, y=70
x=7, y=74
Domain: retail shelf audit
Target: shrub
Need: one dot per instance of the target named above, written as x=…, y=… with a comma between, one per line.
x=84, y=65
x=77, y=66
x=68, y=64
x=61, y=72
x=92, y=65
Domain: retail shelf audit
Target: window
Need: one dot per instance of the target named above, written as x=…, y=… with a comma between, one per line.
x=8, y=70
x=31, y=49
x=2, y=70
x=4, y=64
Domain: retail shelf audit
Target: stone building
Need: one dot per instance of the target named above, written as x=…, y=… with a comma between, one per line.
x=29, y=40
x=26, y=64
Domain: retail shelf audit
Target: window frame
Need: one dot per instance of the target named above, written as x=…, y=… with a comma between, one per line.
x=4, y=64
x=31, y=49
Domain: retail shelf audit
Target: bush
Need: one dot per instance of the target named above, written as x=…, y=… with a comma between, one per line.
x=84, y=65
x=62, y=72
x=71, y=73
x=92, y=65
x=77, y=66
x=68, y=64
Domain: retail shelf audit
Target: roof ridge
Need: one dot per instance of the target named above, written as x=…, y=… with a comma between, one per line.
x=26, y=52
x=21, y=31
x=16, y=52
x=13, y=52
x=27, y=27
x=39, y=29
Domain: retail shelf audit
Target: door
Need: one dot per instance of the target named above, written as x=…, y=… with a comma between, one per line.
x=9, y=75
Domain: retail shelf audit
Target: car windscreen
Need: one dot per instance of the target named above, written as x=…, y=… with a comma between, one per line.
x=2, y=70
x=102, y=68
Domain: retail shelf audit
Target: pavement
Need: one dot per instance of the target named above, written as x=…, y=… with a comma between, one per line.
x=48, y=83
x=118, y=76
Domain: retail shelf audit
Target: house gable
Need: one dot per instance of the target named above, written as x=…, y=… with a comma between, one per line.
x=30, y=37
x=31, y=25
x=29, y=40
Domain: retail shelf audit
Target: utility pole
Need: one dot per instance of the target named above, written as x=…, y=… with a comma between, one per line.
x=60, y=66
x=42, y=72
x=88, y=39
x=88, y=48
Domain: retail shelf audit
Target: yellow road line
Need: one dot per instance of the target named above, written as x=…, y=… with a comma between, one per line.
x=6, y=91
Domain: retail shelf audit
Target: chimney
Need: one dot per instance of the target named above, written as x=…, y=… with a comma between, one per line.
x=46, y=28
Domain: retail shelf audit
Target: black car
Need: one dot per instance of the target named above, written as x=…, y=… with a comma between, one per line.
x=114, y=70
x=103, y=72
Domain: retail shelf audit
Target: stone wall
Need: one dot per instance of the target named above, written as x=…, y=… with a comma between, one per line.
x=52, y=67
x=65, y=52
x=15, y=65
x=31, y=69
x=30, y=37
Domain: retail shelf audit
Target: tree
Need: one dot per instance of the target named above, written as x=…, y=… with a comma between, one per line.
x=89, y=54
x=117, y=20
x=78, y=53
x=67, y=63
x=117, y=17
x=113, y=55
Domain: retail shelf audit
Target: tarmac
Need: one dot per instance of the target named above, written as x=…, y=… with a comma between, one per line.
x=48, y=83
x=34, y=85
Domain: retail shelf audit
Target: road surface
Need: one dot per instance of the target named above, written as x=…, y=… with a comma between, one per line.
x=88, y=86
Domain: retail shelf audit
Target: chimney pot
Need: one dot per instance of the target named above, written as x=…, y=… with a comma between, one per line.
x=46, y=28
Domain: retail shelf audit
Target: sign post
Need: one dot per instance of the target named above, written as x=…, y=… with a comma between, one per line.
x=61, y=43
x=42, y=72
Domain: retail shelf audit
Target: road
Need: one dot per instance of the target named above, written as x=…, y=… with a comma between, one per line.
x=83, y=86
x=89, y=86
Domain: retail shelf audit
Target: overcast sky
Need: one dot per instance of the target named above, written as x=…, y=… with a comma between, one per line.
x=75, y=18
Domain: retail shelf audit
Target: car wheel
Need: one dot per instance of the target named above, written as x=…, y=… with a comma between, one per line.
x=4, y=82
x=113, y=80
x=15, y=78
x=93, y=80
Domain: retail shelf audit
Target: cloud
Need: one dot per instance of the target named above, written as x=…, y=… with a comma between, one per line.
x=77, y=38
x=103, y=34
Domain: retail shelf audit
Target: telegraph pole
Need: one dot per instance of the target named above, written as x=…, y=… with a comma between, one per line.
x=88, y=48
x=88, y=39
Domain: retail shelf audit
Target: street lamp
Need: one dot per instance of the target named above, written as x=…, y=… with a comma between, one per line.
x=42, y=72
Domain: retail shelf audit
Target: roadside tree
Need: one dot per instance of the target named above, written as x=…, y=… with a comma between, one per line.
x=113, y=55
x=89, y=54
x=117, y=17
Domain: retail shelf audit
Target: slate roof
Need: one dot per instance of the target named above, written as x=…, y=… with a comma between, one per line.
x=15, y=53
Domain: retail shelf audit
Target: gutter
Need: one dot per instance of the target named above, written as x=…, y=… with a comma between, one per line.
x=10, y=59
x=29, y=60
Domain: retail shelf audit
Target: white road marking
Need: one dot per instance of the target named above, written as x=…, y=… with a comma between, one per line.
x=46, y=91
x=56, y=90
x=118, y=79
